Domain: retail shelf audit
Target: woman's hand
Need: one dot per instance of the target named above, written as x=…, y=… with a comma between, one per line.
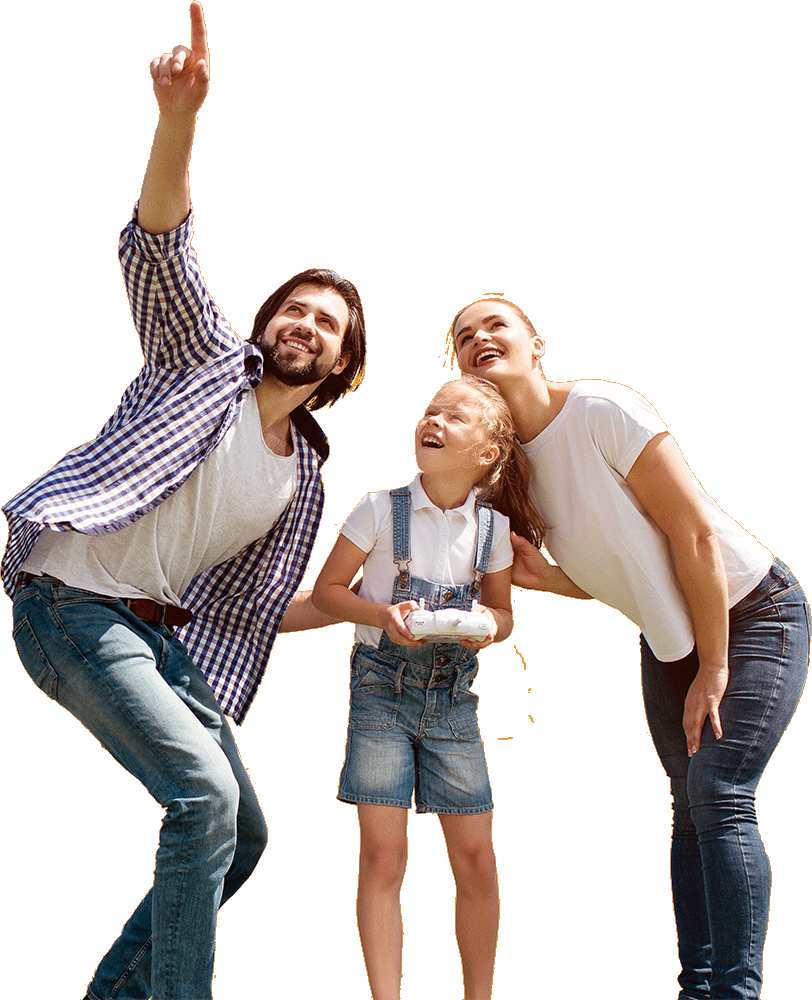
x=393, y=622
x=530, y=569
x=702, y=702
x=533, y=571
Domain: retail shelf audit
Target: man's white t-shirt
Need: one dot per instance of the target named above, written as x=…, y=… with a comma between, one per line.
x=230, y=500
x=443, y=544
x=598, y=532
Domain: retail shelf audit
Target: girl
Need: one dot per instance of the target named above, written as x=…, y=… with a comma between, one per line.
x=413, y=724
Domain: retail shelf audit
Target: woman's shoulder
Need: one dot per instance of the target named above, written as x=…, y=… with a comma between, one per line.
x=610, y=401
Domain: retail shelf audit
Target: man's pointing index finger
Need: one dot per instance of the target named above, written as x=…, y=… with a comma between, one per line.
x=200, y=45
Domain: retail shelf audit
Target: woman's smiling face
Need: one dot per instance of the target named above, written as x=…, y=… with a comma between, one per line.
x=493, y=342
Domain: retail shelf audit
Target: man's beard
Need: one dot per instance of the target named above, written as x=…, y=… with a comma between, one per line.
x=289, y=372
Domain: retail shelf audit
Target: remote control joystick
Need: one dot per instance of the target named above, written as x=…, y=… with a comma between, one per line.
x=448, y=625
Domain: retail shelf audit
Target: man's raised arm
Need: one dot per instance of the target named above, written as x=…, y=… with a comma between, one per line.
x=180, y=80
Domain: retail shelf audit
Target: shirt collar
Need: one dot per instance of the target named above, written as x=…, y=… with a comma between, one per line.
x=420, y=500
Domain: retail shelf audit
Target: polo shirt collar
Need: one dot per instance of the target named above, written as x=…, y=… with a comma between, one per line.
x=420, y=500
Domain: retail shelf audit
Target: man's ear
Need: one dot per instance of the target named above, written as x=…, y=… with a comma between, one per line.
x=341, y=364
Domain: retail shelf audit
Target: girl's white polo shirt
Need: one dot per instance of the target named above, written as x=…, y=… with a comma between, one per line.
x=443, y=545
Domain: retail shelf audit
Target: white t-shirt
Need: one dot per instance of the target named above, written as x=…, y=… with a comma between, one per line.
x=230, y=500
x=598, y=532
x=443, y=546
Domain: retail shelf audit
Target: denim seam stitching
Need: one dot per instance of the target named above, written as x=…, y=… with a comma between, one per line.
x=770, y=702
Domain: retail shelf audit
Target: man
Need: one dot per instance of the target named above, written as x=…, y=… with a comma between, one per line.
x=195, y=508
x=724, y=626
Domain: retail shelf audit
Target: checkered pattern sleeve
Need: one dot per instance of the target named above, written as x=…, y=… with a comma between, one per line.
x=178, y=322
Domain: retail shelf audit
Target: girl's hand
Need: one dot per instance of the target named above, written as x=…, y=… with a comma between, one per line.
x=702, y=701
x=489, y=638
x=393, y=622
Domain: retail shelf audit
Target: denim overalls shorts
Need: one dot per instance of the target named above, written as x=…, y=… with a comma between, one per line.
x=413, y=723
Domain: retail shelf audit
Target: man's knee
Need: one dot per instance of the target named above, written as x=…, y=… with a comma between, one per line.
x=205, y=807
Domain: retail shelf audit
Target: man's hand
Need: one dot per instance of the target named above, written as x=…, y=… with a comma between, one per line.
x=180, y=78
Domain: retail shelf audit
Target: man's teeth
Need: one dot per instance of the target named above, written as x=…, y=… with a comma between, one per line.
x=297, y=345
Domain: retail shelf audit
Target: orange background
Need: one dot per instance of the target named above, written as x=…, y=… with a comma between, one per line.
x=635, y=176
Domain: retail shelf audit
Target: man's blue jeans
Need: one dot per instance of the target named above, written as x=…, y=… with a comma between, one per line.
x=720, y=873
x=134, y=687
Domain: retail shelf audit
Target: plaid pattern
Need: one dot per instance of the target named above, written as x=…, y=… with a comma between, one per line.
x=170, y=417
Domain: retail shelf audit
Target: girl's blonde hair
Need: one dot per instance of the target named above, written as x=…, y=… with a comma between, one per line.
x=506, y=483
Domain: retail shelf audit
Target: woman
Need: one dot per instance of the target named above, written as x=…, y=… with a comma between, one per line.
x=725, y=627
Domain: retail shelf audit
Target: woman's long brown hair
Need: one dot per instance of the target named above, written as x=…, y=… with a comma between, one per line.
x=506, y=484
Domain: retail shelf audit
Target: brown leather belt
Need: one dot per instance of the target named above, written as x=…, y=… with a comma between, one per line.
x=158, y=614
x=141, y=607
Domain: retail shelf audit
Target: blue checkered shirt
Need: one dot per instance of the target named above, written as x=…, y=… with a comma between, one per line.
x=184, y=399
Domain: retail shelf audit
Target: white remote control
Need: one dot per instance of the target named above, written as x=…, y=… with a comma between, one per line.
x=448, y=625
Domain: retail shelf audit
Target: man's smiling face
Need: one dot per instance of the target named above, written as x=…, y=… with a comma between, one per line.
x=301, y=345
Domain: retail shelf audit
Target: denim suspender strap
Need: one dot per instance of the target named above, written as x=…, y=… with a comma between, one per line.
x=402, y=535
x=484, y=540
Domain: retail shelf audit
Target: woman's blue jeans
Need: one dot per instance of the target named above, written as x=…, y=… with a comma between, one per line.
x=720, y=873
x=134, y=687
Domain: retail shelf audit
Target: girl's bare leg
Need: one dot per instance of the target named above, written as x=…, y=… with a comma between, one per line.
x=470, y=851
x=382, y=864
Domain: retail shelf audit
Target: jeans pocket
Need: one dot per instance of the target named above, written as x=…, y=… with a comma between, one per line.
x=34, y=660
x=64, y=596
x=462, y=719
x=374, y=702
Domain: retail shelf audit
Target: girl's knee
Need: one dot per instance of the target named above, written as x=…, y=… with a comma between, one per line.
x=475, y=866
x=383, y=863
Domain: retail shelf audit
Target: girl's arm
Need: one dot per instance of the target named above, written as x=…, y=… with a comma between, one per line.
x=533, y=571
x=332, y=596
x=495, y=598
x=665, y=486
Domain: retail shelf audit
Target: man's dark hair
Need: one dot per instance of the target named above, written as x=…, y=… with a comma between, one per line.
x=353, y=344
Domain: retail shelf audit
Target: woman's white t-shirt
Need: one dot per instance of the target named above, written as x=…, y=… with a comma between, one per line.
x=443, y=544
x=598, y=532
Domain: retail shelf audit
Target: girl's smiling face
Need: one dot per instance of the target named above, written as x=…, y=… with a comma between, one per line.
x=451, y=436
